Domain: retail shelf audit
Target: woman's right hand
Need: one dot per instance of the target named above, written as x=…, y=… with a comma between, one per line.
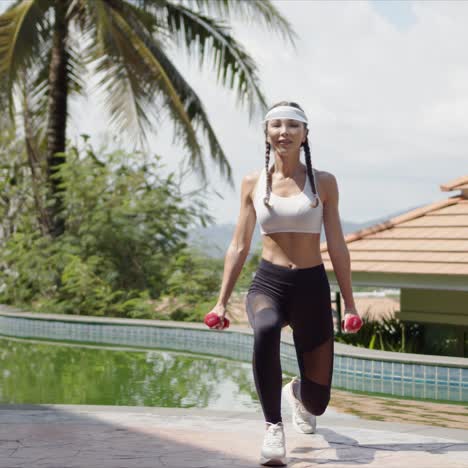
x=220, y=311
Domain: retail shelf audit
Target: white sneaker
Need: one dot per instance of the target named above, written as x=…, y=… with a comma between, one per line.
x=274, y=446
x=302, y=420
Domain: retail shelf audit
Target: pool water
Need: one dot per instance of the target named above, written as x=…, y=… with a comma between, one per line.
x=37, y=371
x=60, y=373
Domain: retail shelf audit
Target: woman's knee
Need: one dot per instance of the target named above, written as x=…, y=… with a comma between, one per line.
x=315, y=397
x=268, y=323
x=316, y=407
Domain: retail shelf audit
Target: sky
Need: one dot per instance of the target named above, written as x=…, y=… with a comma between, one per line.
x=383, y=83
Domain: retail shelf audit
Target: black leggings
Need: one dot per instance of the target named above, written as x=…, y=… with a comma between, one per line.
x=300, y=297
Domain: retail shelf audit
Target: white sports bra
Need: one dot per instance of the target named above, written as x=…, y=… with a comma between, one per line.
x=288, y=214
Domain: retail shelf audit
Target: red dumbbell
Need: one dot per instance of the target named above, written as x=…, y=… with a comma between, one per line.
x=351, y=323
x=212, y=319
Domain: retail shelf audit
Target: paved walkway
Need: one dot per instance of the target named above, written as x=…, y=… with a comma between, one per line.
x=78, y=436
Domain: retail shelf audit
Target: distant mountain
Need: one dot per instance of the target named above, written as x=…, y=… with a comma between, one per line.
x=214, y=240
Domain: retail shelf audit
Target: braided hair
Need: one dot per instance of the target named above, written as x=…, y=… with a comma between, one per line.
x=305, y=145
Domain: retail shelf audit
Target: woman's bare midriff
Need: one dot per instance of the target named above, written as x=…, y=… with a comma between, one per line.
x=292, y=249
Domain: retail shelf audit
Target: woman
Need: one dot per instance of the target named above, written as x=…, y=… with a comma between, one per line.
x=290, y=286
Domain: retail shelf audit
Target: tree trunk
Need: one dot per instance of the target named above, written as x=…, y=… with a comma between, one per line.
x=33, y=153
x=34, y=164
x=57, y=124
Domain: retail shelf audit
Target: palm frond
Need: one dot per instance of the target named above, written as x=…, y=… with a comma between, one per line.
x=210, y=40
x=114, y=61
x=234, y=66
x=130, y=70
x=187, y=96
x=197, y=115
x=262, y=12
x=23, y=28
x=254, y=11
x=76, y=70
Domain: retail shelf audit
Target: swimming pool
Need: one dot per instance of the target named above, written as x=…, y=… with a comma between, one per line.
x=439, y=378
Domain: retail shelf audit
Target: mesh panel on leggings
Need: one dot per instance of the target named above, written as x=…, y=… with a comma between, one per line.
x=316, y=368
x=266, y=320
x=318, y=363
x=260, y=303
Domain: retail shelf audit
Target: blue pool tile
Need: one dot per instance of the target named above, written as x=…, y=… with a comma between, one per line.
x=378, y=366
x=360, y=366
x=387, y=386
x=407, y=372
x=367, y=366
x=337, y=361
x=454, y=376
x=464, y=381
x=397, y=370
x=442, y=392
x=419, y=389
x=430, y=374
x=442, y=374
x=431, y=392
x=378, y=385
x=387, y=368
x=367, y=383
x=346, y=363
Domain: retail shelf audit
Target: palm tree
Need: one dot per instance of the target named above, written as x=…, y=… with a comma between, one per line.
x=49, y=43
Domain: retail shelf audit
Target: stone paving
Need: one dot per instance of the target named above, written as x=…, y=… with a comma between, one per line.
x=79, y=436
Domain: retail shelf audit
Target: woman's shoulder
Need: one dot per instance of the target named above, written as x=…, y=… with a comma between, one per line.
x=327, y=183
x=253, y=175
x=250, y=180
x=324, y=176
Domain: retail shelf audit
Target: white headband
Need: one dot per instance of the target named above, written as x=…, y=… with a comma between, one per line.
x=286, y=112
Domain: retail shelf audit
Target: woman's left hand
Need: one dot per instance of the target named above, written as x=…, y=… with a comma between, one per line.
x=355, y=324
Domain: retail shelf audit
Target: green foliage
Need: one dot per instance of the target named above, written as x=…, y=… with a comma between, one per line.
x=15, y=179
x=390, y=334
x=123, y=247
x=194, y=281
x=443, y=340
x=28, y=268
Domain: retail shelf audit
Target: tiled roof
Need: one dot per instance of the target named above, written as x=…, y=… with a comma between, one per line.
x=458, y=184
x=430, y=239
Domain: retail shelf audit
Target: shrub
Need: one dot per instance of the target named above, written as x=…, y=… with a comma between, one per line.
x=390, y=334
x=123, y=246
